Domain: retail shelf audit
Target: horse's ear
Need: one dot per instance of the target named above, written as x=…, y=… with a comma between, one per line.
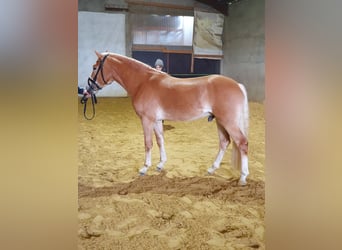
x=98, y=54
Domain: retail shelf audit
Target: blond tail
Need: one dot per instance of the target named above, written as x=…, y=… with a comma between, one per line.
x=243, y=124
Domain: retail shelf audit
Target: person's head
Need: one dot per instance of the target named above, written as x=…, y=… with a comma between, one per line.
x=159, y=64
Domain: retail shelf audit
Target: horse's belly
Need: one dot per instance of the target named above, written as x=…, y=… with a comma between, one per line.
x=202, y=115
x=183, y=115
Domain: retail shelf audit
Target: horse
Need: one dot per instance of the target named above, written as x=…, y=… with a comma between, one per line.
x=156, y=96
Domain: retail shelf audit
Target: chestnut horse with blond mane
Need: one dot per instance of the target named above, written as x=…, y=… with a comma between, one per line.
x=157, y=96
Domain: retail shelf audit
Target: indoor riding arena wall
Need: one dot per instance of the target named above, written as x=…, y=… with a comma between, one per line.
x=243, y=40
x=180, y=208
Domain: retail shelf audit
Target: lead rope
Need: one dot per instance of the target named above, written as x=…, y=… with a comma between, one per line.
x=84, y=101
x=92, y=82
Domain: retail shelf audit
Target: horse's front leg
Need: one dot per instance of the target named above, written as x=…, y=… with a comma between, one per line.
x=158, y=130
x=148, y=131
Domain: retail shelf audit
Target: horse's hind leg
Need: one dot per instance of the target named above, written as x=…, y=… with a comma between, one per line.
x=240, y=152
x=158, y=130
x=224, y=142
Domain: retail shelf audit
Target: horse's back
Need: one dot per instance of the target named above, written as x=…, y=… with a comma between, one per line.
x=218, y=80
x=205, y=89
x=223, y=87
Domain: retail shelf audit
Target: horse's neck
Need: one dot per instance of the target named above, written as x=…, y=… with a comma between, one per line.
x=129, y=74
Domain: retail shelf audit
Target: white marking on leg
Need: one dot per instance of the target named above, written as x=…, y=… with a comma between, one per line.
x=217, y=162
x=147, y=126
x=143, y=170
x=158, y=130
x=244, y=169
x=163, y=158
x=147, y=164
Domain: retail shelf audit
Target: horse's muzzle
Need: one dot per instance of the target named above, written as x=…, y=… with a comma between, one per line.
x=92, y=88
x=93, y=85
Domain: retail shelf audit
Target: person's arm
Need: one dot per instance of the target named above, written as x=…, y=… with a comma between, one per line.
x=82, y=91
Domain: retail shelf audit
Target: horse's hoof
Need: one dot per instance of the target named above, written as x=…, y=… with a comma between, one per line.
x=242, y=183
x=143, y=170
x=159, y=169
x=211, y=170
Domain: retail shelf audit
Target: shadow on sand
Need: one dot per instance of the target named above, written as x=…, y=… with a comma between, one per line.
x=207, y=186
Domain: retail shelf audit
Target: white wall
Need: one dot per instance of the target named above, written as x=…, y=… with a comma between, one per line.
x=101, y=32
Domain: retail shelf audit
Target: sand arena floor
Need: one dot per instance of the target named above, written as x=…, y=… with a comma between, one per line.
x=181, y=207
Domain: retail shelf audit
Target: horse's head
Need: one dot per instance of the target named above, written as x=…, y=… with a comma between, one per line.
x=96, y=82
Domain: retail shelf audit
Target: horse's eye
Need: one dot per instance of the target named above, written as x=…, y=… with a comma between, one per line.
x=94, y=68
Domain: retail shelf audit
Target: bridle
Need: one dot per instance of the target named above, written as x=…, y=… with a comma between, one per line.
x=92, y=88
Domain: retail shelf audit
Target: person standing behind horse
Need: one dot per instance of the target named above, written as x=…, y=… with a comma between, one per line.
x=159, y=64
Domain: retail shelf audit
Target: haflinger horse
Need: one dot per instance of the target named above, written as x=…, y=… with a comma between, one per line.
x=157, y=96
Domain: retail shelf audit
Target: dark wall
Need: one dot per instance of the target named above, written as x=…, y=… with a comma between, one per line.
x=150, y=57
x=179, y=64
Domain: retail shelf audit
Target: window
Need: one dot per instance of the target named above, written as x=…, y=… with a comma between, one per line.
x=169, y=38
x=162, y=30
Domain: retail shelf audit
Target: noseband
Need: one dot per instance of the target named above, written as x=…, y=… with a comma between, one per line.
x=93, y=86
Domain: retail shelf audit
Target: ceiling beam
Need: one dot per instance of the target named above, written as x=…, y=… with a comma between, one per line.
x=220, y=5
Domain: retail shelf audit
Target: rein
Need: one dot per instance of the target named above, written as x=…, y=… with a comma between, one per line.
x=93, y=86
x=84, y=101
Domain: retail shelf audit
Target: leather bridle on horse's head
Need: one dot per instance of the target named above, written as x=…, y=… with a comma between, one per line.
x=93, y=86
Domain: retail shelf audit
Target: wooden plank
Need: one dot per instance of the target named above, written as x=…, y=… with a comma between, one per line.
x=160, y=49
x=208, y=56
x=161, y=5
